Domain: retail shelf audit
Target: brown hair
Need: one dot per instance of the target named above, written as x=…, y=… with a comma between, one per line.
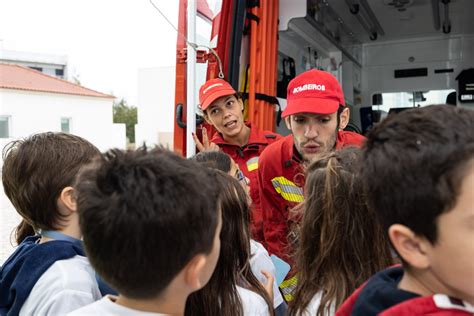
x=35, y=171
x=220, y=296
x=341, y=243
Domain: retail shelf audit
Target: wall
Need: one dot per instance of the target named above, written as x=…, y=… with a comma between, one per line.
x=155, y=106
x=381, y=59
x=33, y=112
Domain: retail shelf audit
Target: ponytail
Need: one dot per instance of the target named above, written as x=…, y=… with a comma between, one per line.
x=23, y=230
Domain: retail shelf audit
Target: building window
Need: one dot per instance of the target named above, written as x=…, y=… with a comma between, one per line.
x=37, y=68
x=66, y=124
x=59, y=72
x=4, y=126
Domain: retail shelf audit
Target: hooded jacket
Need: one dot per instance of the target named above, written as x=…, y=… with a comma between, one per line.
x=27, y=264
x=247, y=157
x=381, y=296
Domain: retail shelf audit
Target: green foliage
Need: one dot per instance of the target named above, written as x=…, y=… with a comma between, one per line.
x=123, y=113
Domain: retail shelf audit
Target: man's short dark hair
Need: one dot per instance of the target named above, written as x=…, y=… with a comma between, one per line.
x=144, y=215
x=414, y=164
x=35, y=171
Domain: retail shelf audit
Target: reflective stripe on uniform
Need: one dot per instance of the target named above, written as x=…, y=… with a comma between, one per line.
x=288, y=288
x=252, y=164
x=287, y=189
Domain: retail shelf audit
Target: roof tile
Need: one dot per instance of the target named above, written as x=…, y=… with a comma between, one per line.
x=23, y=78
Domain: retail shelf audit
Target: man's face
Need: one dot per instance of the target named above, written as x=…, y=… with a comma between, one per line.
x=315, y=134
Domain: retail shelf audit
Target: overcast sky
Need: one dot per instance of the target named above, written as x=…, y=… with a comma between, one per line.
x=106, y=41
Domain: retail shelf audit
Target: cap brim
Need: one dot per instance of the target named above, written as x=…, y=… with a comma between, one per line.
x=311, y=105
x=216, y=95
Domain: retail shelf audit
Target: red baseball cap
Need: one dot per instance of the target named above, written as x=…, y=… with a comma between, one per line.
x=314, y=91
x=212, y=90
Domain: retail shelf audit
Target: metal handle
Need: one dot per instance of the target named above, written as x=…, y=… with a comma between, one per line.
x=179, y=117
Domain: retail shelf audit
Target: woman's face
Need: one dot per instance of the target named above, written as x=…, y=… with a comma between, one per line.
x=225, y=114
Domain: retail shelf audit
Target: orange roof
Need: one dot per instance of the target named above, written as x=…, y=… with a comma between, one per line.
x=23, y=78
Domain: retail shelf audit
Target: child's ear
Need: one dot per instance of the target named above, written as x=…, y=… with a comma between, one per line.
x=412, y=248
x=194, y=270
x=68, y=199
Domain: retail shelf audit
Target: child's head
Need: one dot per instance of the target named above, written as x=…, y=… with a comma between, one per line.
x=341, y=244
x=215, y=160
x=38, y=174
x=233, y=267
x=419, y=172
x=149, y=219
x=223, y=162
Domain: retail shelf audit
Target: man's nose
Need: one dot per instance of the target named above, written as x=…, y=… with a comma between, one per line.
x=311, y=131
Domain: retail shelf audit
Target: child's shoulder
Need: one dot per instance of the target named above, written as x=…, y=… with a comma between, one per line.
x=66, y=285
x=107, y=306
x=252, y=303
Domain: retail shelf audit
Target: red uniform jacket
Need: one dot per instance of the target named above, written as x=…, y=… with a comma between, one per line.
x=380, y=296
x=281, y=181
x=247, y=157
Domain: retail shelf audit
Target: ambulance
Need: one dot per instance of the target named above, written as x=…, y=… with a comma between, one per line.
x=388, y=55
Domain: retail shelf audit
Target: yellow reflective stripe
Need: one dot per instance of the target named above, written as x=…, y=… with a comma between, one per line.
x=288, y=287
x=252, y=164
x=287, y=189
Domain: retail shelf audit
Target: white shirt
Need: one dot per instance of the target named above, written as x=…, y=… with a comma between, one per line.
x=252, y=303
x=260, y=260
x=66, y=285
x=314, y=305
x=107, y=306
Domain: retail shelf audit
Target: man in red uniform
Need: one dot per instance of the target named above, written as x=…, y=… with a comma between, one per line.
x=223, y=108
x=316, y=115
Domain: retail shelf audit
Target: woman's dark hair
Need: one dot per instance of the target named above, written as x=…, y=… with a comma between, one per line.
x=35, y=171
x=341, y=243
x=214, y=159
x=220, y=296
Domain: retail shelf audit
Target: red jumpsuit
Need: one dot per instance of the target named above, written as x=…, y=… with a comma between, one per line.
x=247, y=157
x=281, y=180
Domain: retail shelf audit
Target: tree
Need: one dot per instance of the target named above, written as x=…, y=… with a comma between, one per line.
x=123, y=113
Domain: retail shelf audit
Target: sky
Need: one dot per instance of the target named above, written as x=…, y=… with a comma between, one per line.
x=106, y=41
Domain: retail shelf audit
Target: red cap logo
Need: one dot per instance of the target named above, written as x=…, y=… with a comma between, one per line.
x=212, y=90
x=313, y=91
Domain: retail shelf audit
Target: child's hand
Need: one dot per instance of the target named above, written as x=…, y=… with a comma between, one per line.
x=205, y=145
x=269, y=286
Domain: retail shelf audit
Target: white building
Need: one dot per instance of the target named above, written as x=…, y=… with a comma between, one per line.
x=32, y=102
x=53, y=65
x=156, y=104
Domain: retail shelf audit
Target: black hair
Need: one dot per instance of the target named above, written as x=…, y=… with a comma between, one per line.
x=214, y=159
x=414, y=165
x=144, y=215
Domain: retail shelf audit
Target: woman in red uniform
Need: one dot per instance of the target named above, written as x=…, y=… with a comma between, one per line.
x=222, y=107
